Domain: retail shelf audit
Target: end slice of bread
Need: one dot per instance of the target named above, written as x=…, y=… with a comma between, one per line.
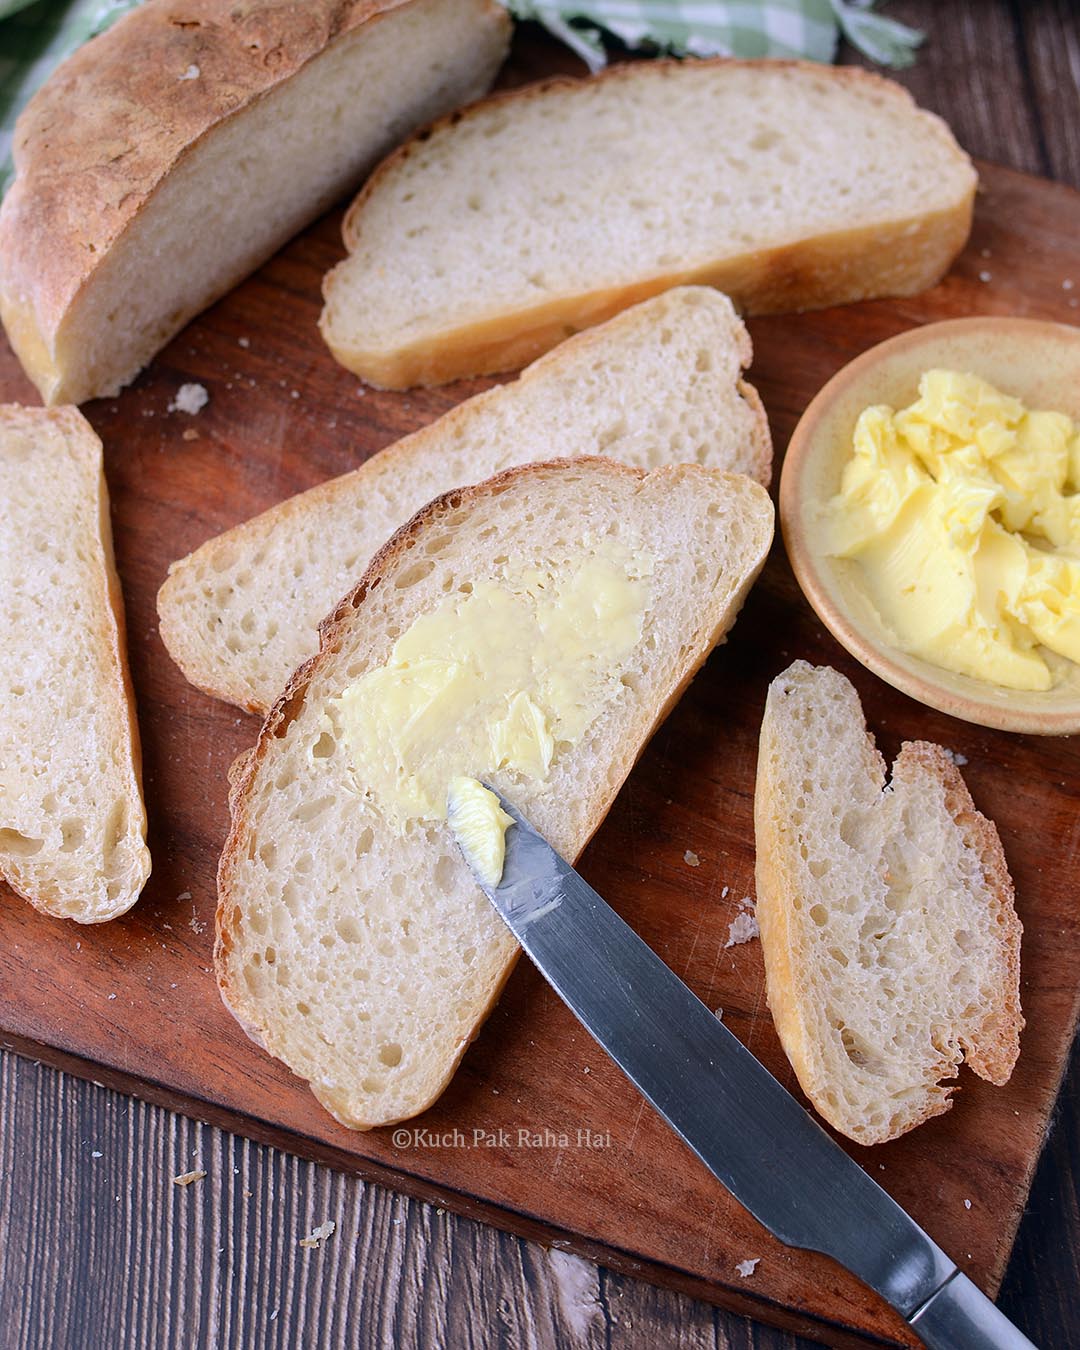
x=169, y=157
x=489, y=237
x=891, y=944
x=658, y=385
x=365, y=956
x=72, y=822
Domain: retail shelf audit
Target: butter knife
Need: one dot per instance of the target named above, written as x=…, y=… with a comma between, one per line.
x=744, y=1126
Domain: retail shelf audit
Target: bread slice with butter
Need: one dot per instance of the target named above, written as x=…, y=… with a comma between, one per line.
x=545, y=620
x=72, y=822
x=891, y=944
x=657, y=385
x=489, y=237
x=170, y=156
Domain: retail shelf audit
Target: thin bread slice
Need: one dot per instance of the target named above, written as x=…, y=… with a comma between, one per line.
x=487, y=238
x=658, y=385
x=892, y=948
x=170, y=156
x=72, y=822
x=365, y=956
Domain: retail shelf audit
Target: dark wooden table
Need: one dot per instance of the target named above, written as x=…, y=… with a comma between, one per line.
x=98, y=1248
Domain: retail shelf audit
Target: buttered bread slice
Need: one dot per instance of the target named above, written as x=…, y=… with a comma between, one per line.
x=658, y=385
x=72, y=823
x=489, y=237
x=533, y=630
x=891, y=945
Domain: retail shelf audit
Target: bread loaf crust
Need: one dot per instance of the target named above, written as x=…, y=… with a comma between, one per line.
x=898, y=257
x=116, y=118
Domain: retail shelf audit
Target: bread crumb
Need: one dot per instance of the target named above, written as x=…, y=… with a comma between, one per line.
x=691, y=859
x=184, y=895
x=1067, y=284
x=243, y=342
x=294, y=393
x=724, y=893
x=186, y=1178
x=190, y=398
x=586, y=1069
x=746, y=1268
x=986, y=276
x=955, y=757
x=96, y=1153
x=718, y=1013
x=318, y=1236
x=112, y=995
x=192, y=73
x=744, y=926
x=190, y=434
x=967, y=1204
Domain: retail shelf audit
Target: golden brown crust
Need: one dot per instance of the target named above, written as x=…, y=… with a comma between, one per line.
x=245, y=768
x=900, y=257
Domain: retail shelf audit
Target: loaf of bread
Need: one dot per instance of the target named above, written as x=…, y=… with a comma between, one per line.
x=72, y=823
x=658, y=385
x=170, y=156
x=892, y=948
x=489, y=237
x=359, y=949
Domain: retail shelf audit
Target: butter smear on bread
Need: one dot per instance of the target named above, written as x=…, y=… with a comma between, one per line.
x=963, y=513
x=500, y=675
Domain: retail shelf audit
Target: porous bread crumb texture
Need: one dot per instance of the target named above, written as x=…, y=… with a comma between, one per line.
x=72, y=823
x=789, y=185
x=660, y=384
x=892, y=948
x=366, y=960
x=86, y=298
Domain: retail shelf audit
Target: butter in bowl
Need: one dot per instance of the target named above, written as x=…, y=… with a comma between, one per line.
x=930, y=505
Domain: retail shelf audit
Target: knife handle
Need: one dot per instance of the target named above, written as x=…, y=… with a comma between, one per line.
x=960, y=1317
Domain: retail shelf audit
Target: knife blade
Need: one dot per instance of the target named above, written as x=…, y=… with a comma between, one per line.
x=745, y=1127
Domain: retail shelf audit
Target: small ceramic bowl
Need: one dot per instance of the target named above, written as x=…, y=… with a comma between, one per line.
x=1035, y=361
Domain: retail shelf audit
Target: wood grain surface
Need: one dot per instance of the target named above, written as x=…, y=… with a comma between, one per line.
x=442, y=1280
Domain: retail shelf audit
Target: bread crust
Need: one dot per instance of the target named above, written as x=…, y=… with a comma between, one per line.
x=116, y=118
x=897, y=257
x=991, y=1049
x=246, y=768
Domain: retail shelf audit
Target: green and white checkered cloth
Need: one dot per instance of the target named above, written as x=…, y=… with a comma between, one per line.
x=35, y=37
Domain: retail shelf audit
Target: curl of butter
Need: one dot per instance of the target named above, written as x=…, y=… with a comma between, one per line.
x=479, y=824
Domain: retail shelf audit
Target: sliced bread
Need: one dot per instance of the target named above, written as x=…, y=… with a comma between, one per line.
x=358, y=949
x=892, y=948
x=72, y=823
x=170, y=156
x=657, y=385
x=489, y=237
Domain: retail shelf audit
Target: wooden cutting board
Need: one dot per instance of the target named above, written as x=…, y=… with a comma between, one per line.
x=538, y=1132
